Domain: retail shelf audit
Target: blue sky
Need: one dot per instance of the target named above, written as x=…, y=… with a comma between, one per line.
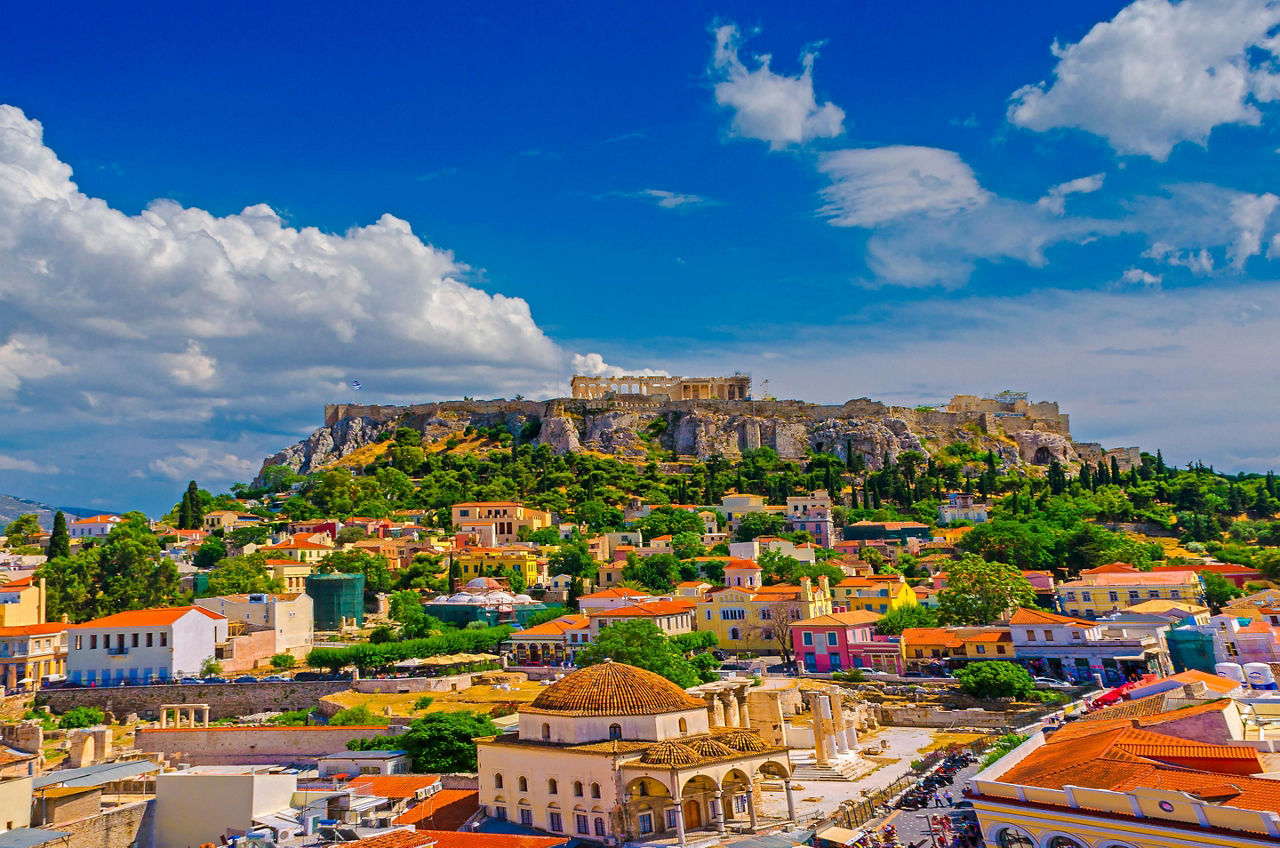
x=211, y=220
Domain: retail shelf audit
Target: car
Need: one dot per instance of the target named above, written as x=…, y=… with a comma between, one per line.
x=720, y=655
x=189, y=681
x=245, y=678
x=275, y=678
x=214, y=680
x=915, y=674
x=1051, y=682
x=308, y=676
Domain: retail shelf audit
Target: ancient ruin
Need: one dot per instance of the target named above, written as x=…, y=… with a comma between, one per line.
x=737, y=387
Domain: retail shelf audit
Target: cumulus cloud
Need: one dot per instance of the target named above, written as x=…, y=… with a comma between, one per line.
x=1055, y=200
x=782, y=110
x=1202, y=227
x=13, y=463
x=176, y=323
x=880, y=184
x=593, y=365
x=1159, y=73
x=202, y=461
x=1138, y=276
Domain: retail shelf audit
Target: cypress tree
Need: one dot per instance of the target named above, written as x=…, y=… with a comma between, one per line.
x=1160, y=467
x=1115, y=471
x=1086, y=479
x=59, y=539
x=875, y=499
x=1271, y=483
x=1100, y=476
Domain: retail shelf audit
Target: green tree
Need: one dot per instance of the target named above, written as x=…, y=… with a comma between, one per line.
x=283, y=662
x=898, y=619
x=438, y=743
x=995, y=679
x=210, y=667
x=573, y=559
x=980, y=592
x=211, y=552
x=658, y=572
x=374, y=567
x=642, y=644
x=19, y=531
x=1218, y=591
x=81, y=717
x=133, y=573
x=242, y=575
x=190, y=513
x=59, y=539
x=73, y=583
x=357, y=716
x=756, y=524
x=687, y=545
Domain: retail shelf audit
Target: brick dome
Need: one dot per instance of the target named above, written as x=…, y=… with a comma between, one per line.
x=711, y=749
x=743, y=740
x=670, y=754
x=609, y=689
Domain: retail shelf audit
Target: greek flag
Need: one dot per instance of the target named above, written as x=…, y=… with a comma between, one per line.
x=355, y=384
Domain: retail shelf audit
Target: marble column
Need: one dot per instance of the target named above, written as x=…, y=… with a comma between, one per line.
x=729, y=708
x=680, y=835
x=744, y=715
x=751, y=807
x=717, y=712
x=791, y=799
x=828, y=736
x=722, y=811
x=838, y=722
x=819, y=734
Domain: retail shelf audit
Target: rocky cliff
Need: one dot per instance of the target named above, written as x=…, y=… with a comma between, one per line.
x=630, y=427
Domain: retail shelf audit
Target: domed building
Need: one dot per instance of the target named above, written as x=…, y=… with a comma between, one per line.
x=614, y=753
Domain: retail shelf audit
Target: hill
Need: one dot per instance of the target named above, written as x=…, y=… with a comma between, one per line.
x=11, y=507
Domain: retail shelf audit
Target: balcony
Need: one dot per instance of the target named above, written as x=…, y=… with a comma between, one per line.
x=118, y=651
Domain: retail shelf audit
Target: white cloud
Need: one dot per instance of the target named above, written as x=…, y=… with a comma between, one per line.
x=1159, y=73
x=1202, y=227
x=876, y=185
x=1138, y=276
x=593, y=365
x=672, y=200
x=191, y=367
x=13, y=463
x=203, y=462
x=1056, y=198
x=25, y=357
x=782, y=110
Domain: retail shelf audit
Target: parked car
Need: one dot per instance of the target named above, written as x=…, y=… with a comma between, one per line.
x=246, y=678
x=214, y=680
x=306, y=676
x=275, y=678
x=914, y=674
x=1051, y=682
x=190, y=680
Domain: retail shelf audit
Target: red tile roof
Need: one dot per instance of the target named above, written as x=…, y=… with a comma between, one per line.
x=743, y=565
x=465, y=839
x=33, y=629
x=447, y=809
x=394, y=839
x=555, y=627
x=646, y=609
x=147, y=617
x=393, y=785
x=1024, y=616
x=617, y=592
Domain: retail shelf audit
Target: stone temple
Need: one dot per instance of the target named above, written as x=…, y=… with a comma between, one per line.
x=737, y=387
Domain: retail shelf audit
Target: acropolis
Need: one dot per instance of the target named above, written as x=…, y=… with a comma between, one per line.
x=737, y=387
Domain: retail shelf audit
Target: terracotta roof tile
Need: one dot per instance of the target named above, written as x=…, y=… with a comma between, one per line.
x=611, y=688
x=393, y=785
x=447, y=809
x=466, y=839
x=147, y=617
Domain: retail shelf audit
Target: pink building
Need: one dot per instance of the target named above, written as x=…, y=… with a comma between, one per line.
x=844, y=640
x=817, y=521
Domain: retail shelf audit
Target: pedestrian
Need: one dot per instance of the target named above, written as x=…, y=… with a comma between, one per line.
x=947, y=795
x=937, y=800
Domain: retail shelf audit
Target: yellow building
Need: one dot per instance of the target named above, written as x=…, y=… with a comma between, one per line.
x=743, y=616
x=229, y=519
x=923, y=646
x=303, y=547
x=873, y=594
x=291, y=573
x=508, y=518
x=1112, y=588
x=31, y=653
x=22, y=601
x=1109, y=784
x=484, y=562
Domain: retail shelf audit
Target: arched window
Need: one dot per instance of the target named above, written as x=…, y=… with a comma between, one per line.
x=733, y=634
x=599, y=827
x=1010, y=838
x=497, y=781
x=1063, y=842
x=684, y=726
x=524, y=784
x=615, y=731
x=546, y=730
x=551, y=786
x=577, y=789
x=595, y=790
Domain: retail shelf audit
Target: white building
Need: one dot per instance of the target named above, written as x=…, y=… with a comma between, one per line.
x=960, y=507
x=93, y=527
x=154, y=644
x=198, y=806
x=289, y=615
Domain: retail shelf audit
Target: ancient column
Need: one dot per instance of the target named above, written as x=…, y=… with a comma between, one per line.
x=838, y=722
x=751, y=807
x=828, y=736
x=680, y=836
x=164, y=717
x=819, y=732
x=206, y=716
x=717, y=710
x=791, y=799
x=721, y=810
x=744, y=714
x=730, y=709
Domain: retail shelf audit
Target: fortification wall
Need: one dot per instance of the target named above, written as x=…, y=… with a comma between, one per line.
x=118, y=827
x=225, y=700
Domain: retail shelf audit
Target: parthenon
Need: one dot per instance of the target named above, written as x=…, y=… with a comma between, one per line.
x=737, y=387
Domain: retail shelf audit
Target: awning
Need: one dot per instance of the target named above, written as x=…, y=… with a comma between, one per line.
x=840, y=835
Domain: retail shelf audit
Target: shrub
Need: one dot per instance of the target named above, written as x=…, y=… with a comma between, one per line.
x=81, y=717
x=283, y=661
x=853, y=675
x=423, y=703
x=1003, y=745
x=995, y=679
x=358, y=715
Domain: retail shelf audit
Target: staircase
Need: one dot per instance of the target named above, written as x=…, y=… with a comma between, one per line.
x=844, y=768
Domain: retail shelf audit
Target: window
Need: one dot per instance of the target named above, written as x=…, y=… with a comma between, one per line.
x=733, y=614
x=999, y=649
x=1115, y=596
x=646, y=822
x=93, y=643
x=577, y=791
x=1071, y=596
x=766, y=614
x=982, y=649
x=1133, y=594
x=500, y=813
x=1175, y=593
x=554, y=822
x=599, y=827
x=546, y=730
x=806, y=638
x=79, y=643
x=708, y=611
x=1086, y=596
x=672, y=820
x=497, y=781
x=151, y=638
x=831, y=639
x=581, y=821
x=1048, y=635
x=595, y=790
x=1077, y=635
x=615, y=731
x=526, y=818
x=1151, y=593
x=135, y=641
x=524, y=784
x=1031, y=635
x=1063, y=842
x=164, y=639
x=684, y=726
x=1010, y=838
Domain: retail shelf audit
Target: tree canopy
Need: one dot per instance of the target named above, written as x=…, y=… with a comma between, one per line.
x=642, y=644
x=981, y=592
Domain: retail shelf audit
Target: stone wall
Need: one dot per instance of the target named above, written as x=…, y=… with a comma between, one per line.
x=225, y=700
x=119, y=827
x=932, y=716
x=199, y=746
x=449, y=683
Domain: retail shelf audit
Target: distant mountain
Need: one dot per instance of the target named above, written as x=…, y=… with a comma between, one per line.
x=11, y=508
